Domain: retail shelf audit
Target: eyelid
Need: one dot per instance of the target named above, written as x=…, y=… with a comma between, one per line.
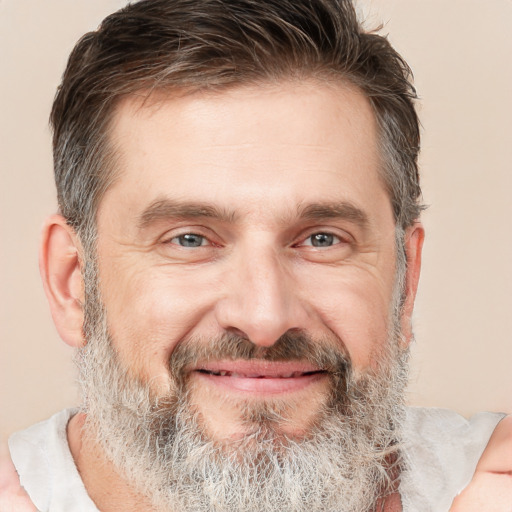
x=336, y=240
x=341, y=235
x=203, y=239
x=206, y=233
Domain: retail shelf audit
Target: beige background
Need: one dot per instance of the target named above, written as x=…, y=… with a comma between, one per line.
x=460, y=51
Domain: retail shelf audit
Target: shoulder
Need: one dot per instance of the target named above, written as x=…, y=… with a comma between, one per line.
x=24, y=468
x=441, y=450
x=443, y=426
x=448, y=435
x=12, y=494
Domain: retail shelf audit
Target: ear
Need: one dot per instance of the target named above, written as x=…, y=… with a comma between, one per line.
x=60, y=268
x=414, y=236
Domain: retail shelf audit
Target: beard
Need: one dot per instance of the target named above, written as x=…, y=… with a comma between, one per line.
x=347, y=460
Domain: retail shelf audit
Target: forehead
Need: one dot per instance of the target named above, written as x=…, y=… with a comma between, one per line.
x=258, y=148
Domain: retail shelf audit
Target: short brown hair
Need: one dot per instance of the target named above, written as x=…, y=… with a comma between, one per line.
x=211, y=44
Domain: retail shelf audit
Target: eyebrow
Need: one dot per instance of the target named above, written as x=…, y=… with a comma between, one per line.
x=335, y=210
x=163, y=209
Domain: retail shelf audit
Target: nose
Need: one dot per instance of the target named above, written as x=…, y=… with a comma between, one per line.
x=260, y=299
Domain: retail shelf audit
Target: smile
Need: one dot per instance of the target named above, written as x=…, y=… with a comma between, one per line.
x=260, y=377
x=225, y=373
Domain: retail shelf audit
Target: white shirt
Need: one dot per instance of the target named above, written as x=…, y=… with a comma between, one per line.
x=441, y=450
x=46, y=467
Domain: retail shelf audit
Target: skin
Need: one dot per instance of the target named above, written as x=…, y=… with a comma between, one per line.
x=260, y=157
x=490, y=489
x=280, y=151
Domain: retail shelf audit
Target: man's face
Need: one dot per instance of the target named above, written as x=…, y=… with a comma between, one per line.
x=244, y=308
x=254, y=212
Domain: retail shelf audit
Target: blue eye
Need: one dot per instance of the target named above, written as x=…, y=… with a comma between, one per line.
x=189, y=240
x=323, y=240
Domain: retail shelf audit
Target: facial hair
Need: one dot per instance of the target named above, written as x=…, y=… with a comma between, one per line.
x=346, y=462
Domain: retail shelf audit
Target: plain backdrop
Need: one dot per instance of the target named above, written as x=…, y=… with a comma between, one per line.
x=461, y=54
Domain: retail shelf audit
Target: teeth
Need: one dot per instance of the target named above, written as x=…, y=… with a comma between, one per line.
x=226, y=373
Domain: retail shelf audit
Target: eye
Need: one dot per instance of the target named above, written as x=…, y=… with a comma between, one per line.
x=322, y=240
x=189, y=240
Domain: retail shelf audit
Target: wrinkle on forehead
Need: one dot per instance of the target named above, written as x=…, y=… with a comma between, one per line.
x=256, y=140
x=166, y=208
x=148, y=102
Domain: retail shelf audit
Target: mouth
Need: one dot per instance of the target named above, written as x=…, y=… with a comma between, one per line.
x=259, y=377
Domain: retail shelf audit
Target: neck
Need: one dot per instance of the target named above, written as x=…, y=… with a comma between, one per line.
x=105, y=486
x=391, y=503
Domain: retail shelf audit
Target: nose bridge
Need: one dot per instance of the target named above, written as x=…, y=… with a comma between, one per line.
x=260, y=300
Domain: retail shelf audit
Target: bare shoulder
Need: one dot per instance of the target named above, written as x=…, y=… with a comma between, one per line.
x=491, y=487
x=12, y=495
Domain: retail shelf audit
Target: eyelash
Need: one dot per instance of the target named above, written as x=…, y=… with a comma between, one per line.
x=335, y=240
x=190, y=234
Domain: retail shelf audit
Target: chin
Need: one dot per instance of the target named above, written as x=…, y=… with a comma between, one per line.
x=280, y=420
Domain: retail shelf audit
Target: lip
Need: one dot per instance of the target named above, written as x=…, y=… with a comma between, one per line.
x=259, y=377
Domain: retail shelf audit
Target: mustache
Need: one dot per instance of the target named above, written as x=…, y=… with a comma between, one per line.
x=328, y=353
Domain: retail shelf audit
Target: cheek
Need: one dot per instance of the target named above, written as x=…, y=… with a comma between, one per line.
x=148, y=313
x=355, y=305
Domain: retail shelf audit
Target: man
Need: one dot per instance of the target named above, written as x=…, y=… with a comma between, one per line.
x=236, y=259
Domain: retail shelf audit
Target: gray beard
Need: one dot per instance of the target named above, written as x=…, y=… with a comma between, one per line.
x=347, y=462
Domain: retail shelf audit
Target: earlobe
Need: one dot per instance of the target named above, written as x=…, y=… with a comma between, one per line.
x=414, y=237
x=60, y=268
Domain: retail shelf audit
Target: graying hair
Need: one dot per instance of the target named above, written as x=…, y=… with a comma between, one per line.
x=191, y=45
